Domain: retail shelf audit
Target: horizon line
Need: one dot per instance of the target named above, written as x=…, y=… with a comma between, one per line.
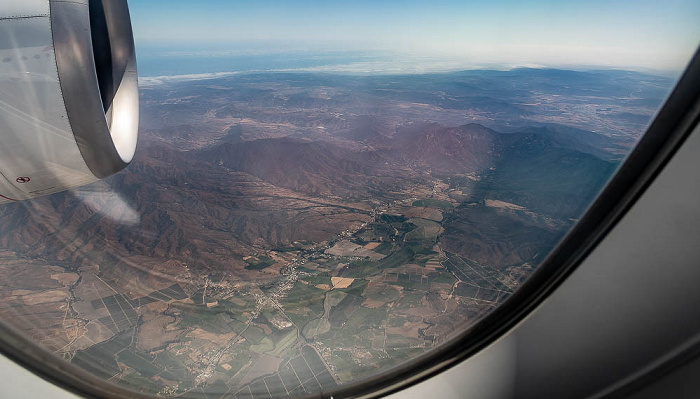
x=152, y=80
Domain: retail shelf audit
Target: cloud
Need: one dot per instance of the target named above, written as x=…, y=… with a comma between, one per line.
x=158, y=80
x=102, y=199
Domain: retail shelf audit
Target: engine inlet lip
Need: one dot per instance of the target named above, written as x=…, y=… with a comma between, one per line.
x=96, y=63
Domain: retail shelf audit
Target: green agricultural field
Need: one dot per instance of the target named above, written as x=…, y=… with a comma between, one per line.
x=199, y=344
x=443, y=278
x=140, y=383
x=237, y=364
x=235, y=307
x=397, y=321
x=118, y=343
x=306, y=270
x=169, y=376
x=426, y=230
x=339, y=314
x=384, y=248
x=412, y=282
x=300, y=319
x=398, y=258
x=259, y=263
x=140, y=363
x=356, y=288
x=102, y=364
x=342, y=338
x=317, y=279
x=237, y=326
x=382, y=293
x=401, y=354
x=365, y=317
x=423, y=248
x=362, y=268
x=430, y=202
x=410, y=299
x=283, y=340
x=254, y=334
x=329, y=264
x=264, y=346
x=304, y=296
x=392, y=218
x=404, y=228
x=316, y=327
x=173, y=365
x=399, y=341
x=215, y=389
x=199, y=316
x=333, y=298
x=376, y=232
x=344, y=365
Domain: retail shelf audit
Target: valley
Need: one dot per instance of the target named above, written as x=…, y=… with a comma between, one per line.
x=280, y=234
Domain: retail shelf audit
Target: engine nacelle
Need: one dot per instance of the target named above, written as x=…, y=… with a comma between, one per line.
x=68, y=94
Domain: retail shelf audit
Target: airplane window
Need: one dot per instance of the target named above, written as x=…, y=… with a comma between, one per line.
x=321, y=191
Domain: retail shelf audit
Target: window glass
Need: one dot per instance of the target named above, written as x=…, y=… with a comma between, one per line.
x=324, y=190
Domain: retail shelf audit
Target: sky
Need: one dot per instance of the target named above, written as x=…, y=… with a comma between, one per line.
x=632, y=34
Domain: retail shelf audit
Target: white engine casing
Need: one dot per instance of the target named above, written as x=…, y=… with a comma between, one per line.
x=68, y=94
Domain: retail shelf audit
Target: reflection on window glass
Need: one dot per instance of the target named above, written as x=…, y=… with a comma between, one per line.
x=324, y=191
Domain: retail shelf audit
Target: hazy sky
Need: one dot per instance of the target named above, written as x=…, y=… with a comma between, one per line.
x=629, y=33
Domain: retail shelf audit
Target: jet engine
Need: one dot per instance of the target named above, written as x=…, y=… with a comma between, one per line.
x=68, y=94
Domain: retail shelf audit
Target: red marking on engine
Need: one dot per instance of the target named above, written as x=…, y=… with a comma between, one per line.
x=8, y=198
x=24, y=179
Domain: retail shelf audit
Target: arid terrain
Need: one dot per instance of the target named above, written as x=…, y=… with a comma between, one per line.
x=283, y=233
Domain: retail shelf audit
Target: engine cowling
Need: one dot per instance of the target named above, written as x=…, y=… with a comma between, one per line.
x=68, y=94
